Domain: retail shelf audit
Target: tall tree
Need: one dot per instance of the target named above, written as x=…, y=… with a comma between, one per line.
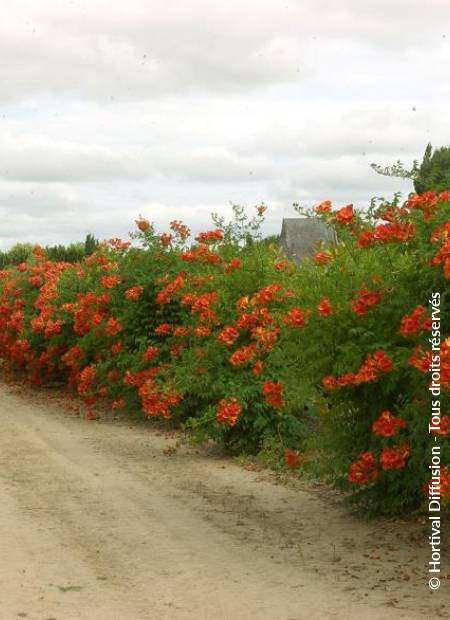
x=432, y=174
x=90, y=244
x=434, y=171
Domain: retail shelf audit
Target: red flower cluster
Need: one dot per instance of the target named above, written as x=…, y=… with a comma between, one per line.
x=73, y=356
x=273, y=394
x=166, y=239
x=134, y=293
x=267, y=294
x=426, y=202
x=138, y=379
x=151, y=353
x=165, y=296
x=228, y=336
x=281, y=265
x=202, y=306
x=110, y=281
x=47, y=327
x=210, y=237
x=386, y=233
x=295, y=317
x=37, y=281
x=116, y=348
x=228, y=411
x=415, y=323
x=387, y=425
x=243, y=303
x=234, y=264
x=261, y=209
x=421, y=359
x=180, y=229
x=265, y=337
x=259, y=316
x=322, y=258
x=345, y=215
x=366, y=299
x=370, y=371
x=118, y=244
x=243, y=356
x=89, y=312
x=201, y=254
x=440, y=232
x=181, y=332
x=157, y=402
x=164, y=329
x=113, y=327
x=86, y=380
x=325, y=308
x=323, y=207
x=143, y=225
x=364, y=469
x=443, y=258
x=202, y=332
x=396, y=457
x=292, y=459
x=257, y=368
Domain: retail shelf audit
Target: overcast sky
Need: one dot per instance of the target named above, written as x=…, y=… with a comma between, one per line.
x=175, y=108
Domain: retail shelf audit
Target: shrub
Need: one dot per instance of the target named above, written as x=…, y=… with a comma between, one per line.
x=242, y=346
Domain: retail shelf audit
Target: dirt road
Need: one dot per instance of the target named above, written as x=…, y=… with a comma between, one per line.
x=99, y=523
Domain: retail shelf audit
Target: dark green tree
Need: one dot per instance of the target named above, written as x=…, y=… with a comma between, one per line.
x=90, y=244
x=434, y=171
x=432, y=174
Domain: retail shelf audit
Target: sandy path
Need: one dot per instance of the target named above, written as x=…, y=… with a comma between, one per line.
x=98, y=523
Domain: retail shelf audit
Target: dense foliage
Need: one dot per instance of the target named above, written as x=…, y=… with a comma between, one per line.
x=327, y=361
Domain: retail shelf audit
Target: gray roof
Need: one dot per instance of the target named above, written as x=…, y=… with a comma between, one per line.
x=300, y=235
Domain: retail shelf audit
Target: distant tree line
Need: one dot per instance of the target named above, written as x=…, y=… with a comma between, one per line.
x=71, y=253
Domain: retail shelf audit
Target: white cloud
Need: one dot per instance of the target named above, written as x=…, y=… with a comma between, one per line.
x=105, y=48
x=38, y=158
x=212, y=165
x=172, y=109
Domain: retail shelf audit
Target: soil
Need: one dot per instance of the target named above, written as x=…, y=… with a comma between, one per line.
x=113, y=520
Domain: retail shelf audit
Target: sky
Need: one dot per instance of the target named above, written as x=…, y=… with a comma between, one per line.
x=173, y=109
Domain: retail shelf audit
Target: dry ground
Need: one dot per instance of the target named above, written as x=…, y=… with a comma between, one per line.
x=99, y=521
